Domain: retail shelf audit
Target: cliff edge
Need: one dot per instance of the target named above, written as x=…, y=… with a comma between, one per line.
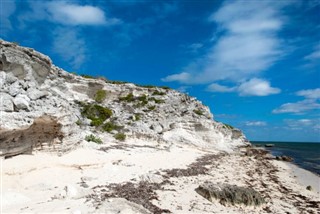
x=46, y=108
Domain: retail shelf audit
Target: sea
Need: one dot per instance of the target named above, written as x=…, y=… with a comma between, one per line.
x=304, y=154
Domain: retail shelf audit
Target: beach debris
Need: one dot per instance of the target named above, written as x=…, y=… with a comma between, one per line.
x=230, y=194
x=269, y=145
x=309, y=188
x=284, y=158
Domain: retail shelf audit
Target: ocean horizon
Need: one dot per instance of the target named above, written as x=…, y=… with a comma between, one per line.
x=304, y=154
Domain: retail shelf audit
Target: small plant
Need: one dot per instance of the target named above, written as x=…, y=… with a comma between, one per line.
x=96, y=113
x=137, y=117
x=128, y=98
x=158, y=101
x=198, y=112
x=146, y=86
x=109, y=127
x=151, y=108
x=100, y=96
x=165, y=87
x=87, y=76
x=228, y=126
x=79, y=122
x=120, y=136
x=116, y=82
x=92, y=138
x=160, y=93
x=309, y=188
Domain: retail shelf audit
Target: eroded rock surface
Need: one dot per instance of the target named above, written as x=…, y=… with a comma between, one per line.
x=31, y=87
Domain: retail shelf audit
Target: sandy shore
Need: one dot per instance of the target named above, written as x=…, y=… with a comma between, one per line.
x=148, y=178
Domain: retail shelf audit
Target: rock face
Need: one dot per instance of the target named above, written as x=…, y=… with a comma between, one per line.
x=230, y=194
x=36, y=94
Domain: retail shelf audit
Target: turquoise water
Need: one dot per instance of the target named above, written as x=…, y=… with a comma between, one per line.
x=305, y=155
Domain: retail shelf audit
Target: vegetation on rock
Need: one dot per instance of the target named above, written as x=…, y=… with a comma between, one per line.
x=100, y=96
x=120, y=136
x=92, y=138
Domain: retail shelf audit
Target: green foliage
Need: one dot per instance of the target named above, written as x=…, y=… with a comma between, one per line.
x=158, y=93
x=309, y=188
x=79, y=122
x=146, y=86
x=228, y=126
x=128, y=98
x=116, y=82
x=87, y=76
x=165, y=87
x=120, y=136
x=96, y=113
x=92, y=138
x=137, y=117
x=151, y=108
x=158, y=101
x=109, y=126
x=198, y=112
x=100, y=96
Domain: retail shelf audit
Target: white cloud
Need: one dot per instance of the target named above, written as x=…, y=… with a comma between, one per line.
x=310, y=94
x=214, y=87
x=182, y=77
x=7, y=10
x=73, y=14
x=257, y=87
x=69, y=46
x=298, y=107
x=255, y=123
x=247, y=47
x=67, y=14
x=302, y=123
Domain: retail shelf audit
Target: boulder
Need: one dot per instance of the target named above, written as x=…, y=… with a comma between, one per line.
x=21, y=102
x=230, y=194
x=6, y=103
x=35, y=94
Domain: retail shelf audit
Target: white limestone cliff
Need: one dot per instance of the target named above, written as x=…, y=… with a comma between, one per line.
x=40, y=108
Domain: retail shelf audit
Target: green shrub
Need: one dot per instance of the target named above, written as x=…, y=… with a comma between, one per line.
x=158, y=93
x=198, y=112
x=100, y=96
x=92, y=138
x=146, y=86
x=228, y=126
x=151, y=108
x=137, y=117
x=128, y=98
x=79, y=122
x=96, y=113
x=109, y=126
x=120, y=136
x=116, y=82
x=87, y=76
x=158, y=101
x=165, y=87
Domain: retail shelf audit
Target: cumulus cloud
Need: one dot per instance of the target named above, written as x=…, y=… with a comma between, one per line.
x=247, y=45
x=66, y=13
x=308, y=104
x=252, y=87
x=214, y=87
x=257, y=87
x=301, y=124
x=310, y=94
x=298, y=107
x=255, y=123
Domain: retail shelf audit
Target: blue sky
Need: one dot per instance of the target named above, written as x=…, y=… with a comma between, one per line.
x=256, y=64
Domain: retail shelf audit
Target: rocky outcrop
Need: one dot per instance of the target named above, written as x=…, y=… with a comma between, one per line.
x=32, y=87
x=230, y=194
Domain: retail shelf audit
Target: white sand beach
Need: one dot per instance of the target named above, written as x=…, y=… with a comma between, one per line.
x=78, y=182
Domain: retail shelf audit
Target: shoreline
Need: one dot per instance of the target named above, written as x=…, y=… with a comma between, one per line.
x=175, y=172
x=305, y=177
